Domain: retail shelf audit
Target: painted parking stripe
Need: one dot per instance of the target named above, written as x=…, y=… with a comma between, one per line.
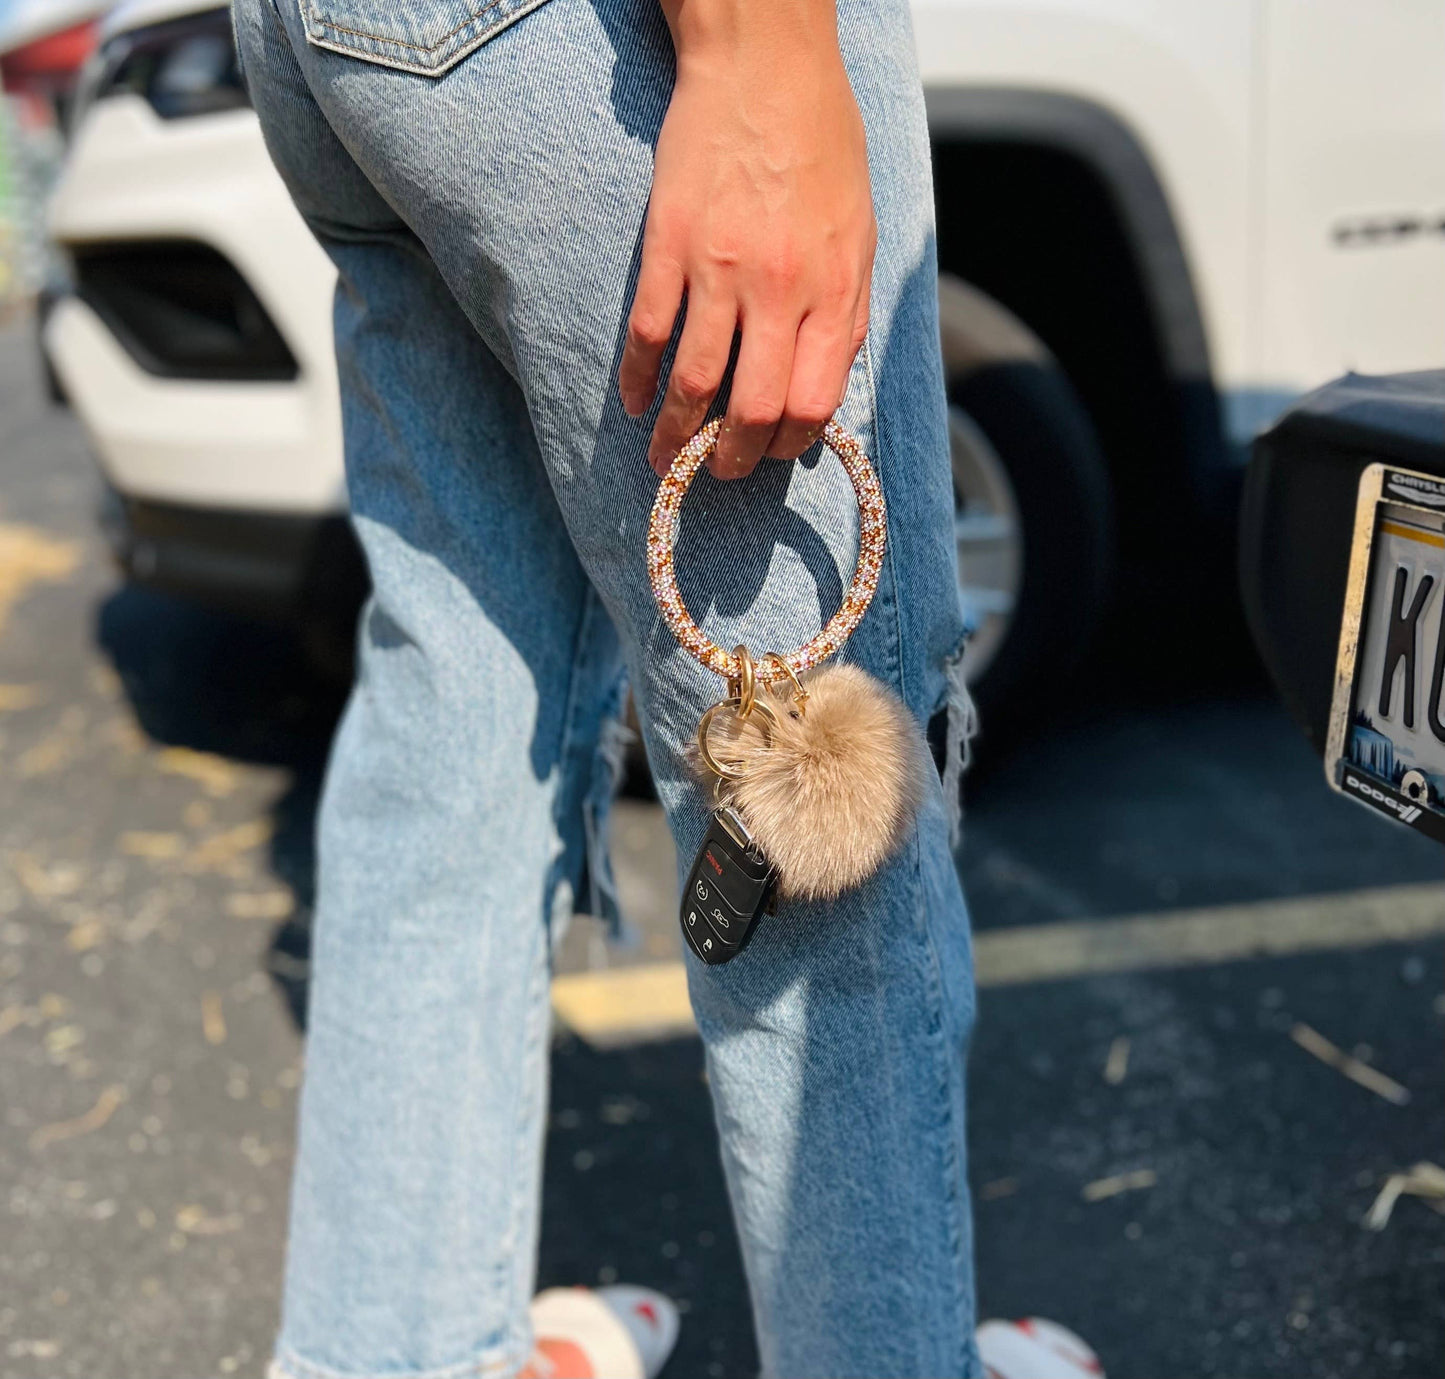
x=1223, y=933
x=622, y=1005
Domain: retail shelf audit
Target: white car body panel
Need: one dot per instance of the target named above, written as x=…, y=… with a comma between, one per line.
x=1268, y=123
x=254, y=446
x=1175, y=73
x=1354, y=136
x=248, y=446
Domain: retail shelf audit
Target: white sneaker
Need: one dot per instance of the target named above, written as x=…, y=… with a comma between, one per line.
x=619, y=1332
x=1033, y=1348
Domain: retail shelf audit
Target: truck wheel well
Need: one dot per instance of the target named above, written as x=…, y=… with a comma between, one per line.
x=1036, y=228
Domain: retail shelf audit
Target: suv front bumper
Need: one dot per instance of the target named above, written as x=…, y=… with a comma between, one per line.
x=305, y=569
x=187, y=433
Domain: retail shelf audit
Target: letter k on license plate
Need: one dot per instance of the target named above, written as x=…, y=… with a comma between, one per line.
x=1387, y=717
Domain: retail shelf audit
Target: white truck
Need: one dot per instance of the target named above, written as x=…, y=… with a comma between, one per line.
x=1159, y=221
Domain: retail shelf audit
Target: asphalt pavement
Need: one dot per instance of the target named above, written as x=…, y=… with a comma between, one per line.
x=1174, y=1153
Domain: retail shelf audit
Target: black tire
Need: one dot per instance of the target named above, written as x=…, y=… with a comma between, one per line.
x=1028, y=411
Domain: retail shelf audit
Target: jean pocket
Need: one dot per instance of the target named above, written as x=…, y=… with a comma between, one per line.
x=423, y=36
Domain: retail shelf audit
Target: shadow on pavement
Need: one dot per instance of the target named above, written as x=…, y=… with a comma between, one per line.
x=238, y=689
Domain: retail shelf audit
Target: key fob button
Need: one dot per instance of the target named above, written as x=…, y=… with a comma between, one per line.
x=704, y=940
x=729, y=880
x=729, y=929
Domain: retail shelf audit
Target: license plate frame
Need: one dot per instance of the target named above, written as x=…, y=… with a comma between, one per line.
x=1386, y=748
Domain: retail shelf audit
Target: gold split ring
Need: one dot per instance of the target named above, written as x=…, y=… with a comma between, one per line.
x=800, y=695
x=704, y=748
x=745, y=687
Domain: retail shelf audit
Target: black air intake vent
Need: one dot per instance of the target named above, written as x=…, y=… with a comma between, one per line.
x=182, y=310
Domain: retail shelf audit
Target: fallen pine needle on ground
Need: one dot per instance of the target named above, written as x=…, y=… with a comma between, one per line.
x=1313, y=1042
x=1424, y=1180
x=92, y=1120
x=1116, y=1066
x=213, y=1018
x=1136, y=1181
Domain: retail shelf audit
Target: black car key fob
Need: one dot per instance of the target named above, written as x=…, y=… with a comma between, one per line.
x=730, y=886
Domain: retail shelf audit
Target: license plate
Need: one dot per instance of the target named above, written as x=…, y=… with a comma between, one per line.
x=1386, y=744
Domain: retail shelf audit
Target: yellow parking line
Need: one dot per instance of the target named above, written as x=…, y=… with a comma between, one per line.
x=622, y=1004
x=1223, y=933
x=628, y=1004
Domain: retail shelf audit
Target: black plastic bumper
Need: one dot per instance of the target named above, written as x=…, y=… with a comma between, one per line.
x=1298, y=513
x=261, y=564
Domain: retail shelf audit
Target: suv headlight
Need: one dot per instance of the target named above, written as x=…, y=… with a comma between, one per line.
x=182, y=67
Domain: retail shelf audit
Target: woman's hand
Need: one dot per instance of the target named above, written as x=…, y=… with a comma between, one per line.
x=761, y=213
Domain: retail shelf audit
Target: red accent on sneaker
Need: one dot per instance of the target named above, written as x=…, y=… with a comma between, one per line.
x=559, y=1360
x=648, y=1313
x=1089, y=1362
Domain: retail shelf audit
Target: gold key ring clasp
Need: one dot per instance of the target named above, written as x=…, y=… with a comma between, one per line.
x=745, y=687
x=785, y=671
x=742, y=700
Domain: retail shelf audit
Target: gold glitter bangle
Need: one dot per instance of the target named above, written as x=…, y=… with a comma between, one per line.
x=662, y=533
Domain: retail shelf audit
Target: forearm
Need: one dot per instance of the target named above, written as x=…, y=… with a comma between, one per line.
x=734, y=30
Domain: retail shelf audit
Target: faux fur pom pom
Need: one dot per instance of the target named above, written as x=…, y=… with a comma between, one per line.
x=831, y=797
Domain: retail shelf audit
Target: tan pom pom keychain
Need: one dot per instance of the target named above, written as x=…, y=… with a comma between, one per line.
x=817, y=770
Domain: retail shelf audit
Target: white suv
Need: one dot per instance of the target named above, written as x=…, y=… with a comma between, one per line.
x=1157, y=224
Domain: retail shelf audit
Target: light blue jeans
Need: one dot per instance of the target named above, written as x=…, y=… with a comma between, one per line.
x=479, y=173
